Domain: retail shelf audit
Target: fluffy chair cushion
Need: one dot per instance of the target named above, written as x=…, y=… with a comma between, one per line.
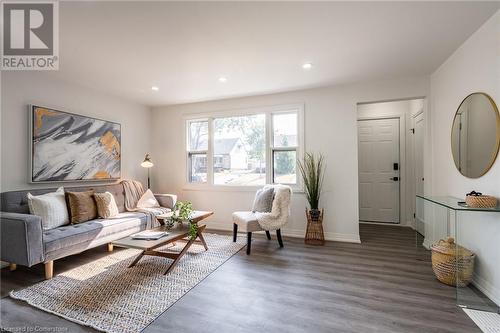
x=106, y=205
x=82, y=206
x=247, y=221
x=51, y=207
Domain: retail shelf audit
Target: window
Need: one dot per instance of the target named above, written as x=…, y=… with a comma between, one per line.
x=197, y=151
x=245, y=149
x=284, y=148
x=240, y=150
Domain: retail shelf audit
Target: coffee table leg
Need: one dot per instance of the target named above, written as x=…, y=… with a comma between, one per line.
x=202, y=239
x=136, y=260
x=181, y=254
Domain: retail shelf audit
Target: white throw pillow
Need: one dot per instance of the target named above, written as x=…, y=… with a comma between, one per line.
x=51, y=207
x=148, y=200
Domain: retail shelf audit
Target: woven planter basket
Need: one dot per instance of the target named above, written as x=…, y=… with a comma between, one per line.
x=314, y=231
x=449, y=267
x=480, y=201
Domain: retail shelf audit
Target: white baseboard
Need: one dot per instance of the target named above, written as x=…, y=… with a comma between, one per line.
x=387, y=224
x=411, y=224
x=486, y=288
x=295, y=233
x=426, y=244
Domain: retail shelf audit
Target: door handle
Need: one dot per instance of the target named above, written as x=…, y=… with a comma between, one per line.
x=394, y=178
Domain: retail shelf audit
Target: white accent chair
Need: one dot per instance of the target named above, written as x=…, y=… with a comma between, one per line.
x=254, y=221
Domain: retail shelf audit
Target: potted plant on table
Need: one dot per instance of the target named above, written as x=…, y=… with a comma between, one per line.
x=312, y=171
x=182, y=212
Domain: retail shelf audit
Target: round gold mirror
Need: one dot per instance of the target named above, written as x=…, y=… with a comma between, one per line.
x=475, y=135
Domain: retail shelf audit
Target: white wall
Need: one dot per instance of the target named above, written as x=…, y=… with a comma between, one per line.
x=474, y=67
x=404, y=110
x=330, y=128
x=21, y=88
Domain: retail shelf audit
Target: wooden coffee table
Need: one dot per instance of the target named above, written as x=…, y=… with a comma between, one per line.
x=177, y=233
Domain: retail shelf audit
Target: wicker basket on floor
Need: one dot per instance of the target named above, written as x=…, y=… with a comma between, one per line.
x=314, y=231
x=452, y=264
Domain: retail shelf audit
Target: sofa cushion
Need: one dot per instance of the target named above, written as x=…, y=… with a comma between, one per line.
x=148, y=200
x=67, y=236
x=17, y=201
x=106, y=205
x=82, y=206
x=50, y=207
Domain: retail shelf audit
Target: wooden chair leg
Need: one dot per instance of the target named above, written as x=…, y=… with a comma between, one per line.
x=49, y=269
x=12, y=267
x=278, y=235
x=249, y=242
x=110, y=247
x=235, y=231
x=268, y=234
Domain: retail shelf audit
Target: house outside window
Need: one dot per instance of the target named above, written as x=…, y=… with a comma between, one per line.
x=246, y=148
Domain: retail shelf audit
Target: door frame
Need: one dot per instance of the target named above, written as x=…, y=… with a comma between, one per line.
x=413, y=161
x=402, y=164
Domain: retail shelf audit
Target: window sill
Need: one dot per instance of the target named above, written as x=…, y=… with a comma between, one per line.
x=229, y=188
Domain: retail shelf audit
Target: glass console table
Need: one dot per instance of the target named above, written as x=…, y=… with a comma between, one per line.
x=477, y=229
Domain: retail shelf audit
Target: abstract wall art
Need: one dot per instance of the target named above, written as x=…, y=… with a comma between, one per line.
x=71, y=147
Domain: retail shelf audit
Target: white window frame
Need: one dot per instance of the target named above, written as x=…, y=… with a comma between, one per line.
x=268, y=111
x=272, y=148
x=190, y=152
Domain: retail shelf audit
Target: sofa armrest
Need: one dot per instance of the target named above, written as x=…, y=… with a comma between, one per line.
x=166, y=200
x=21, y=237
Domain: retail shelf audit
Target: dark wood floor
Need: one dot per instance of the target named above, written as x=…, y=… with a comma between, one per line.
x=380, y=285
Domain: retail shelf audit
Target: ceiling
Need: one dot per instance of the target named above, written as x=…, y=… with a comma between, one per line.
x=125, y=48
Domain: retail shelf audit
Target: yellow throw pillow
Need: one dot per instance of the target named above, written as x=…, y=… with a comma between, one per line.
x=106, y=205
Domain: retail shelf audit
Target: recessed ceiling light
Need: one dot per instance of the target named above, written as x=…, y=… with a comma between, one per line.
x=155, y=88
x=307, y=65
x=222, y=79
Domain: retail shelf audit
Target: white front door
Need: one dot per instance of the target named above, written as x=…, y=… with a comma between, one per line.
x=378, y=167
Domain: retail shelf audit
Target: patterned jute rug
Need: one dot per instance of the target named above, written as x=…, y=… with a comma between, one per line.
x=108, y=296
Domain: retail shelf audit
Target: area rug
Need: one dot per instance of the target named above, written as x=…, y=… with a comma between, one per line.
x=108, y=296
x=488, y=322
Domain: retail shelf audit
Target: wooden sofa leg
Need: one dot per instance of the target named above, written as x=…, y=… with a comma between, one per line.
x=235, y=232
x=249, y=242
x=110, y=247
x=12, y=267
x=49, y=269
x=268, y=234
x=278, y=235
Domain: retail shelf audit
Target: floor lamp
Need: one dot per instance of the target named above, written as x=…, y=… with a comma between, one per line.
x=148, y=164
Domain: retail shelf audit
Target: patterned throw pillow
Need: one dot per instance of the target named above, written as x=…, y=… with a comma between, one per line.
x=148, y=200
x=263, y=202
x=106, y=205
x=51, y=207
x=82, y=206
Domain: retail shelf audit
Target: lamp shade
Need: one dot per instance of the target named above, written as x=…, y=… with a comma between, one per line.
x=147, y=163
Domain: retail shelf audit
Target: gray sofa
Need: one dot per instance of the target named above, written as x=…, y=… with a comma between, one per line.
x=24, y=242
